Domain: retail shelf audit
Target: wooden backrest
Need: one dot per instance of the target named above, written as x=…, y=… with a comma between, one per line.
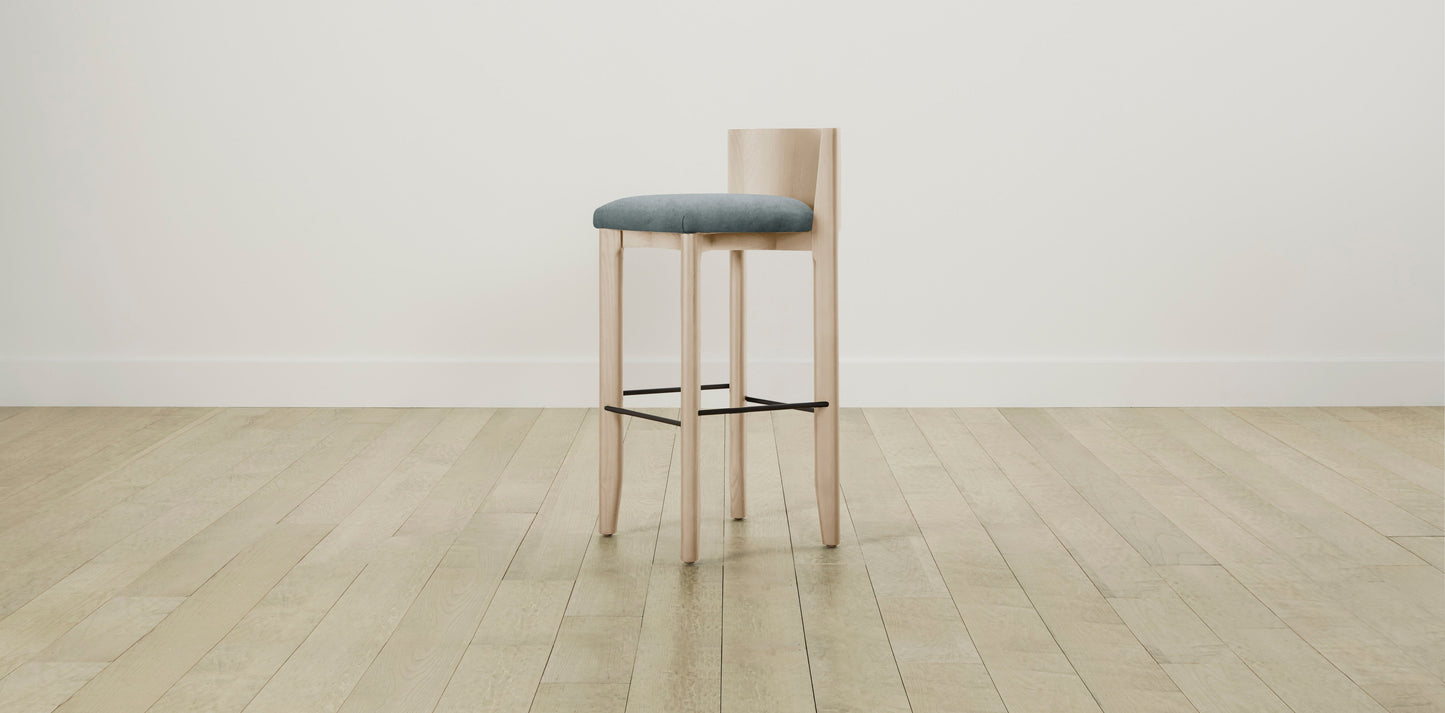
x=798, y=163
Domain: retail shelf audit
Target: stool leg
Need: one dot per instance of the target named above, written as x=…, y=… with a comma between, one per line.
x=825, y=386
x=737, y=485
x=609, y=457
x=691, y=397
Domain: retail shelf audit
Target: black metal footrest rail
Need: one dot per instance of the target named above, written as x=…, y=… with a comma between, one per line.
x=673, y=389
x=774, y=406
x=763, y=404
x=640, y=414
x=808, y=406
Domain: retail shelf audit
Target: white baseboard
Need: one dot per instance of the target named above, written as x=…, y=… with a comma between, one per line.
x=864, y=383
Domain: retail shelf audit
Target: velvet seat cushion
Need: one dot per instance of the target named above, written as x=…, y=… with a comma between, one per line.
x=706, y=213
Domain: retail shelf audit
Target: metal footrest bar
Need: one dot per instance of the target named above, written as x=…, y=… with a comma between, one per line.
x=775, y=406
x=640, y=414
x=765, y=405
x=671, y=390
x=800, y=407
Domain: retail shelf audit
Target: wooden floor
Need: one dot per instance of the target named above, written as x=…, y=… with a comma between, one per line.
x=316, y=560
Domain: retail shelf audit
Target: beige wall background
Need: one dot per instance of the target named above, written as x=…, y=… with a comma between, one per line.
x=1049, y=202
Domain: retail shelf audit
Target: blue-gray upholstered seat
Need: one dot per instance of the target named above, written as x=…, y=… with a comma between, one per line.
x=706, y=213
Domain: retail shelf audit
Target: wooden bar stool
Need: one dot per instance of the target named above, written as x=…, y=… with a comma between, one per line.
x=782, y=195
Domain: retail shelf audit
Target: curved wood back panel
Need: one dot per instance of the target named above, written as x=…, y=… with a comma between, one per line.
x=798, y=163
x=778, y=162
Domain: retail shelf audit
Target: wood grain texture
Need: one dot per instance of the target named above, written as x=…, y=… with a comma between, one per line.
x=1408, y=490
x=40, y=686
x=737, y=389
x=689, y=433
x=852, y=664
x=1345, y=494
x=764, y=648
x=1429, y=549
x=411, y=671
x=146, y=670
x=609, y=462
x=678, y=666
x=1118, y=670
x=265, y=448
x=825, y=335
x=448, y=560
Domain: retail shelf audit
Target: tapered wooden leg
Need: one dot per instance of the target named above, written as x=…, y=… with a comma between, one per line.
x=609, y=460
x=825, y=386
x=691, y=397
x=737, y=484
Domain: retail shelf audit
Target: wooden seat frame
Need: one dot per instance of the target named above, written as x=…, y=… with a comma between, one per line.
x=798, y=163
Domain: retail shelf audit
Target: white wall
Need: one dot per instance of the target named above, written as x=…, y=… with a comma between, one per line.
x=1043, y=202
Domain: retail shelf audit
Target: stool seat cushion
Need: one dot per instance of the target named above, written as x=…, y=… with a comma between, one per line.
x=706, y=213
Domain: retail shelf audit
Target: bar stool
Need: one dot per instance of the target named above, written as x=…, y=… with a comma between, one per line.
x=782, y=195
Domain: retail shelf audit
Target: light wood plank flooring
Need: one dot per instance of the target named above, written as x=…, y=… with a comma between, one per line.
x=317, y=560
